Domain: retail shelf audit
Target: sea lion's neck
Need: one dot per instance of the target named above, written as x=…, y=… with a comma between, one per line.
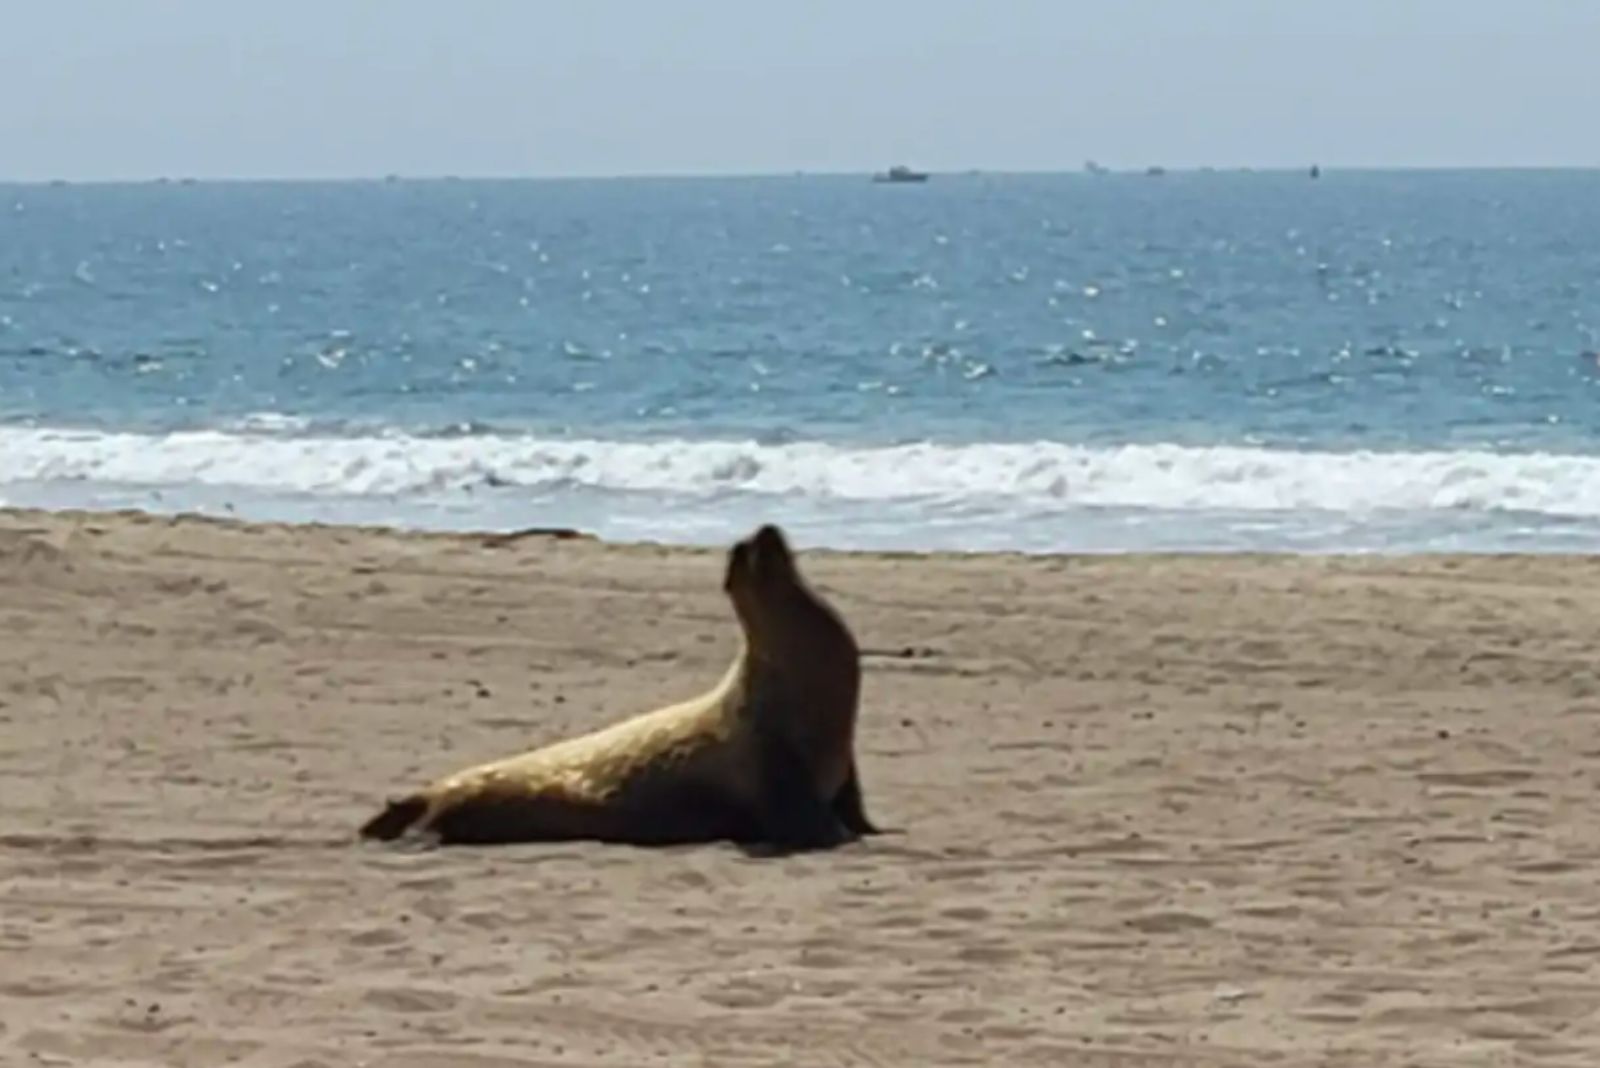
x=791, y=627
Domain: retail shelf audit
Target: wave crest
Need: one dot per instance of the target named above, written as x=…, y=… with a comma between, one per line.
x=1038, y=475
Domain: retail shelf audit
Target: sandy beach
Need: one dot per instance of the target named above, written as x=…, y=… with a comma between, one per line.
x=1179, y=810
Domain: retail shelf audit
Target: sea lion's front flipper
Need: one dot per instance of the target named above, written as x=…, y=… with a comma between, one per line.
x=849, y=807
x=790, y=813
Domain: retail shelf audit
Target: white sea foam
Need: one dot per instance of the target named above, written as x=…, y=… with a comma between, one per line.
x=270, y=423
x=1015, y=495
x=1130, y=476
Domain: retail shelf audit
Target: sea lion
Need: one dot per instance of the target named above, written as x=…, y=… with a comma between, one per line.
x=764, y=758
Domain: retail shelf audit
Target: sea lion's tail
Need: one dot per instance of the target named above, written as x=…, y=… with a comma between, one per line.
x=395, y=819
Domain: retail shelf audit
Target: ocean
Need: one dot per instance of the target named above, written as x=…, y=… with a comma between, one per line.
x=1213, y=361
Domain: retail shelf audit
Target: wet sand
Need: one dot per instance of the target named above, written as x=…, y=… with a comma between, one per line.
x=1179, y=810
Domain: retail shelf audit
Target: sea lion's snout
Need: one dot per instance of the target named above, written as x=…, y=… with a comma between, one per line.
x=770, y=544
x=764, y=554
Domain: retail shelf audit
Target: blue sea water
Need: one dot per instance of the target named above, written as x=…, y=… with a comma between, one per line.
x=1203, y=360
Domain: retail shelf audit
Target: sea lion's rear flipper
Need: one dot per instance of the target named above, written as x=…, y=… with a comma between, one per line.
x=791, y=814
x=395, y=819
x=849, y=807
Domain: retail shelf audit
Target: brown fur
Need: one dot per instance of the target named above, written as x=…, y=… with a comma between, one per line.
x=765, y=757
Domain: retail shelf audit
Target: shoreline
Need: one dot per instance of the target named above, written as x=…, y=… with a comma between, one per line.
x=14, y=516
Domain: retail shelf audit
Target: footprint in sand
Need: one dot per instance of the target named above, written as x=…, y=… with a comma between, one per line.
x=1489, y=777
x=1168, y=922
x=410, y=1000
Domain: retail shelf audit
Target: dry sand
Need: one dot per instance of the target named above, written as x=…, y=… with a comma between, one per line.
x=1156, y=810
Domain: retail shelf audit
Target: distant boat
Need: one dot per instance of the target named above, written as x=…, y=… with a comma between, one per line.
x=1316, y=171
x=899, y=173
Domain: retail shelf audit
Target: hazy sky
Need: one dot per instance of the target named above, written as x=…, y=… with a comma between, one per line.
x=139, y=88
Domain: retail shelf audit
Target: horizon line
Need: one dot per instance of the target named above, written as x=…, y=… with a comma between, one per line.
x=180, y=178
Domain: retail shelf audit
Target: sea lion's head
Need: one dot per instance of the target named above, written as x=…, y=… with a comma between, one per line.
x=762, y=581
x=781, y=615
x=759, y=565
